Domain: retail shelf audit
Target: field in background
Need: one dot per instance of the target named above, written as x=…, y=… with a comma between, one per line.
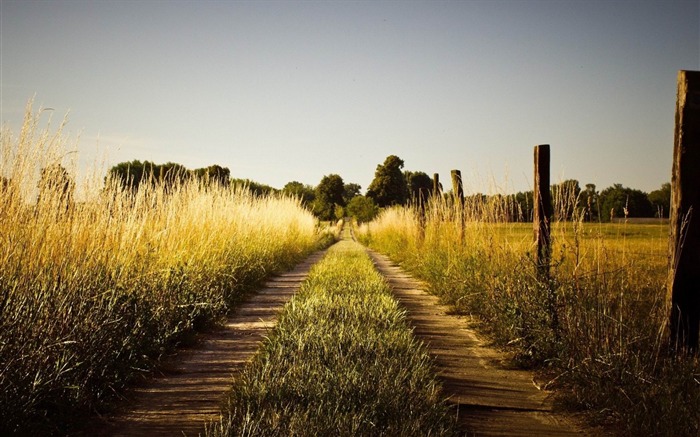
x=94, y=290
x=598, y=328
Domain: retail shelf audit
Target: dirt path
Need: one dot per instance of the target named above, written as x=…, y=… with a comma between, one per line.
x=190, y=391
x=492, y=400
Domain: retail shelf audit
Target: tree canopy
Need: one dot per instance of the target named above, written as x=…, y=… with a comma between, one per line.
x=329, y=194
x=362, y=208
x=389, y=185
x=134, y=174
x=618, y=201
x=304, y=192
x=420, y=185
x=661, y=200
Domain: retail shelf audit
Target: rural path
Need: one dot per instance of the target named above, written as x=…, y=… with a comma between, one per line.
x=191, y=389
x=491, y=400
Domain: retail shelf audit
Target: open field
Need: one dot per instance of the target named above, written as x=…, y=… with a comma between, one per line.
x=597, y=329
x=95, y=291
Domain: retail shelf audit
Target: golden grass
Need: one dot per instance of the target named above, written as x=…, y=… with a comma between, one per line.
x=96, y=289
x=598, y=326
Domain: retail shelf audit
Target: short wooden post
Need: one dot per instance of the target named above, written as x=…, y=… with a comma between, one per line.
x=684, y=247
x=542, y=211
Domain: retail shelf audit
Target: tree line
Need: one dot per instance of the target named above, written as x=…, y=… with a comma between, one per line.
x=333, y=198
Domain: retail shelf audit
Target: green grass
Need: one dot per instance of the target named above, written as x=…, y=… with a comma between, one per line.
x=598, y=328
x=342, y=361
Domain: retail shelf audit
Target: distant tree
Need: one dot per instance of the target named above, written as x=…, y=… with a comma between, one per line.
x=565, y=199
x=351, y=190
x=56, y=188
x=589, y=203
x=419, y=185
x=661, y=200
x=524, y=202
x=171, y=174
x=214, y=174
x=329, y=193
x=297, y=189
x=130, y=174
x=389, y=185
x=621, y=202
x=134, y=174
x=256, y=188
x=362, y=208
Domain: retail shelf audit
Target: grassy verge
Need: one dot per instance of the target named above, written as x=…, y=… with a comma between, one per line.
x=598, y=328
x=93, y=291
x=341, y=361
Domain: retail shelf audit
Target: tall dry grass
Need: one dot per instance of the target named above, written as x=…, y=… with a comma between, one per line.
x=94, y=290
x=597, y=328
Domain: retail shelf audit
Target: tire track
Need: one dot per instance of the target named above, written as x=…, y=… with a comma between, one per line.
x=191, y=388
x=490, y=399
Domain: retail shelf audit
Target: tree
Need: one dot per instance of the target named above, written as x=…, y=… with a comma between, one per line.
x=303, y=192
x=329, y=193
x=661, y=200
x=589, y=202
x=130, y=174
x=214, y=174
x=389, y=185
x=420, y=185
x=351, y=190
x=56, y=188
x=565, y=197
x=362, y=208
x=256, y=188
x=619, y=201
x=524, y=202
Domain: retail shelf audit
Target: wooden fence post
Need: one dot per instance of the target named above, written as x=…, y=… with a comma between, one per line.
x=684, y=247
x=436, y=185
x=457, y=190
x=542, y=211
x=458, y=195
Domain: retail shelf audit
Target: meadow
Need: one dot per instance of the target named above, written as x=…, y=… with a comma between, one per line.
x=100, y=281
x=341, y=361
x=596, y=329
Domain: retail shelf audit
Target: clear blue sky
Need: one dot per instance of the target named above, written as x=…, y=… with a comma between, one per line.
x=282, y=91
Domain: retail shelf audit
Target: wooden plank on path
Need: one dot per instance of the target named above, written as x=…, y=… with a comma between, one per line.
x=491, y=400
x=191, y=389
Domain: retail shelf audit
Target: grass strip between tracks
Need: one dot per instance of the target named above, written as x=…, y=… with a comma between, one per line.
x=341, y=361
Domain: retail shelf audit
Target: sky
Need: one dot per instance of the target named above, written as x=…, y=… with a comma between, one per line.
x=281, y=91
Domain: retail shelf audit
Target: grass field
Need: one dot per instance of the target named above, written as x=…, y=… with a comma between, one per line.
x=597, y=329
x=94, y=291
x=341, y=361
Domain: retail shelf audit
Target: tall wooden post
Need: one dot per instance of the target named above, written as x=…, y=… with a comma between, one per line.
x=436, y=185
x=458, y=194
x=543, y=211
x=457, y=189
x=684, y=272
